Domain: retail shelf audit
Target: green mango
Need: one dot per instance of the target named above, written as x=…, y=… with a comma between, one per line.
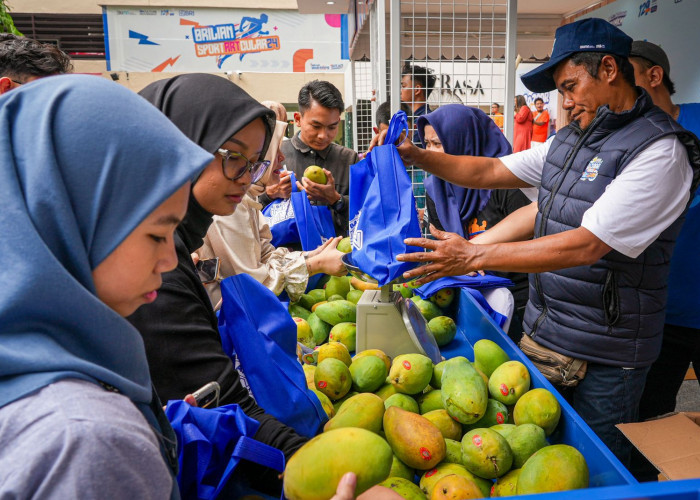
x=332, y=378
x=559, y=467
x=454, y=451
x=338, y=311
x=503, y=429
x=464, y=392
x=509, y=381
x=539, y=407
x=337, y=285
x=404, y=487
x=349, y=449
x=297, y=310
x=364, y=410
x=411, y=373
x=345, y=245
x=344, y=333
x=405, y=292
x=386, y=391
x=524, y=441
x=488, y=356
x=506, y=486
x=443, y=329
x=354, y=296
x=496, y=413
x=337, y=404
x=333, y=298
x=428, y=309
x=430, y=401
x=400, y=469
x=334, y=350
x=306, y=301
x=447, y=425
x=326, y=403
x=486, y=453
x=319, y=328
x=317, y=295
x=403, y=401
x=443, y=298
x=368, y=373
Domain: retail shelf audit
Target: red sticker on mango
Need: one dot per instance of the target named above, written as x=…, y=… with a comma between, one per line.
x=500, y=418
x=425, y=454
x=430, y=473
x=407, y=365
x=322, y=384
x=504, y=389
x=476, y=439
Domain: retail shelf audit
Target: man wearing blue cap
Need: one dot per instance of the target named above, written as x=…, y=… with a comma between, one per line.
x=612, y=186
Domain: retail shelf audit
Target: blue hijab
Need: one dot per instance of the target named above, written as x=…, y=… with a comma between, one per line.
x=462, y=130
x=83, y=161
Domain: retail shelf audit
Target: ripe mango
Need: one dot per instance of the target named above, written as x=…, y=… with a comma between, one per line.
x=404, y=487
x=443, y=298
x=488, y=356
x=453, y=451
x=411, y=373
x=345, y=333
x=443, y=329
x=354, y=296
x=334, y=350
x=364, y=410
x=337, y=285
x=402, y=401
x=405, y=292
x=508, y=382
x=539, y=407
x=337, y=404
x=338, y=311
x=315, y=174
x=320, y=329
x=559, y=467
x=463, y=390
x=386, y=391
x=414, y=439
x=304, y=334
x=306, y=301
x=400, y=469
x=345, y=245
x=436, y=379
x=315, y=306
x=454, y=487
x=332, y=378
x=524, y=441
x=496, y=413
x=378, y=353
x=503, y=429
x=349, y=449
x=429, y=401
x=325, y=403
x=309, y=374
x=431, y=477
x=333, y=298
x=486, y=453
x=428, y=309
x=447, y=425
x=368, y=373
x=506, y=486
x=295, y=310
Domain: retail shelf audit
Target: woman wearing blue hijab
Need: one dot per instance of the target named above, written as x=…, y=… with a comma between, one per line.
x=461, y=130
x=94, y=181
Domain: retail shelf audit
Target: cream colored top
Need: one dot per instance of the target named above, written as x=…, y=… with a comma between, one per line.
x=242, y=241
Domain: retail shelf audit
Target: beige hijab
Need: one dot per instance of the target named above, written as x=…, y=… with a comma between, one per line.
x=257, y=189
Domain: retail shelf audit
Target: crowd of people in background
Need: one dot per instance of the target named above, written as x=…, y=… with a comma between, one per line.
x=107, y=218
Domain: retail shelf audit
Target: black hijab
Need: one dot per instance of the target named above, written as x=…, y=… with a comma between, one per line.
x=209, y=110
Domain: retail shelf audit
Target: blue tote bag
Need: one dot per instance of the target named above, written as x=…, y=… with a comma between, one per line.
x=255, y=325
x=211, y=443
x=296, y=220
x=383, y=209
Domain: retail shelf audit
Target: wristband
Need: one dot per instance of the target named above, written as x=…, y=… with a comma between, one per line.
x=338, y=205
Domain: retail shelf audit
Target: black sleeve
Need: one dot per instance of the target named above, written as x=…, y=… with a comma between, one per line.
x=264, y=199
x=432, y=213
x=184, y=352
x=513, y=199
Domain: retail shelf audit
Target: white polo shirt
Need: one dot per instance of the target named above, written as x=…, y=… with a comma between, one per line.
x=638, y=205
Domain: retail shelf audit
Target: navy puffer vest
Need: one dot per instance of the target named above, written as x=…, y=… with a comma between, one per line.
x=611, y=312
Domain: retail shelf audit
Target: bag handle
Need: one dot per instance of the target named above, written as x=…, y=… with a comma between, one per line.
x=398, y=123
x=294, y=183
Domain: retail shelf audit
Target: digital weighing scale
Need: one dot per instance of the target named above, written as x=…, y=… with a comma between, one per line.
x=388, y=321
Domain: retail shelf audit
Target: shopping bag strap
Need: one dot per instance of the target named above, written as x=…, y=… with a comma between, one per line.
x=294, y=183
x=397, y=125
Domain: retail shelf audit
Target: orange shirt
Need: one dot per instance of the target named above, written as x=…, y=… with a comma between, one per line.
x=498, y=120
x=540, y=132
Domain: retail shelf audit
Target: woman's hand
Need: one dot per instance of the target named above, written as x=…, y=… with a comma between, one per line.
x=346, y=490
x=327, y=260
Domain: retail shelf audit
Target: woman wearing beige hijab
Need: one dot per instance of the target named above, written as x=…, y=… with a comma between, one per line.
x=242, y=241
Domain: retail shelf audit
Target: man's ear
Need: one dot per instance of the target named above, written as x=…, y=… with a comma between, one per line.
x=608, y=70
x=297, y=119
x=656, y=76
x=375, y=130
x=5, y=85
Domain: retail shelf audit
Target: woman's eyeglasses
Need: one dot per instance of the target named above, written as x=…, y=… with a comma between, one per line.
x=235, y=166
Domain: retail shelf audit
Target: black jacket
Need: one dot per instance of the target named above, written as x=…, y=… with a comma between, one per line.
x=184, y=348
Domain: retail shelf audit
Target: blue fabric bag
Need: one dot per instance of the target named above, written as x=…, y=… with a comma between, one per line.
x=383, y=209
x=265, y=345
x=296, y=220
x=211, y=443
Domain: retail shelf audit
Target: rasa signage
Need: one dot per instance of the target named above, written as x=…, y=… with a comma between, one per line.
x=212, y=40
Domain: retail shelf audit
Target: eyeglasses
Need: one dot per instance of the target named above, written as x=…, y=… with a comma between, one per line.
x=235, y=166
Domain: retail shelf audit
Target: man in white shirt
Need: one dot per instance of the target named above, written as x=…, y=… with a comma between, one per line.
x=612, y=186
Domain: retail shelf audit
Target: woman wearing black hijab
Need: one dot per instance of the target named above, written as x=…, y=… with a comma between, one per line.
x=180, y=328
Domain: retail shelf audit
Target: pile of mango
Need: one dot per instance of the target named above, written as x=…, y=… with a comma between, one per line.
x=455, y=430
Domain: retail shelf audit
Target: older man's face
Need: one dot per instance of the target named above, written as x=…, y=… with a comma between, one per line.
x=582, y=94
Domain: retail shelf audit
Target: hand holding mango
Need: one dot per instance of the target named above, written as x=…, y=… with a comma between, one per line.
x=319, y=185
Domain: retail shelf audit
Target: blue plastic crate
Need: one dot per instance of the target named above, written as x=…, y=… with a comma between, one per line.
x=605, y=469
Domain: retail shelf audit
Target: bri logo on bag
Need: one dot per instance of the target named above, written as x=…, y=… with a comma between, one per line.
x=591, y=171
x=280, y=212
x=355, y=234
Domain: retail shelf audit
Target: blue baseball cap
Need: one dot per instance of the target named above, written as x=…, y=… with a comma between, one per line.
x=587, y=35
